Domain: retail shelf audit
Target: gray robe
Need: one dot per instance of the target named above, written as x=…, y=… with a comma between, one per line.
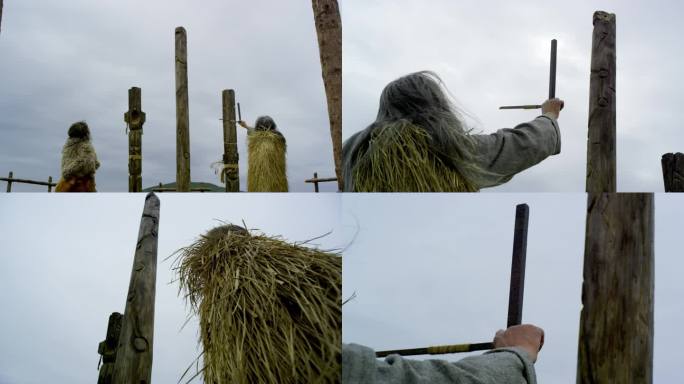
x=502, y=365
x=501, y=154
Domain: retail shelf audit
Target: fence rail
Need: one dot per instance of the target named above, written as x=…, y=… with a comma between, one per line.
x=316, y=180
x=10, y=179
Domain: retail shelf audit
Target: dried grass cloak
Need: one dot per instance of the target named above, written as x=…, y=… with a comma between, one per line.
x=267, y=171
x=270, y=311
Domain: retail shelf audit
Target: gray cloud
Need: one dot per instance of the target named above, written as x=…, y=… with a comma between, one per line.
x=76, y=61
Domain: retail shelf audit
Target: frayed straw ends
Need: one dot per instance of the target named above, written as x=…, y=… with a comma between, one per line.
x=270, y=311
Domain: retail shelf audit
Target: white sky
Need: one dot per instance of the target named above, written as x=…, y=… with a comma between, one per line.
x=61, y=62
x=66, y=264
x=496, y=53
x=436, y=270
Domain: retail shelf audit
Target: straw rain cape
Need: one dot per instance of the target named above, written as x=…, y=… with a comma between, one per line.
x=269, y=310
x=267, y=170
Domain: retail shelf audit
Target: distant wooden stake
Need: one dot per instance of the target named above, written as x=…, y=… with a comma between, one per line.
x=230, y=149
x=616, y=323
x=182, y=113
x=329, y=31
x=135, y=118
x=134, y=353
x=601, y=139
x=9, y=182
x=673, y=171
x=0, y=15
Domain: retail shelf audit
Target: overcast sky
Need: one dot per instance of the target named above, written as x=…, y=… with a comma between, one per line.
x=496, y=53
x=437, y=271
x=61, y=62
x=66, y=265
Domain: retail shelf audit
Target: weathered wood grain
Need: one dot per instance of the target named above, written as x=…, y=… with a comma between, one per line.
x=329, y=32
x=601, y=137
x=673, y=171
x=230, y=148
x=616, y=322
x=182, y=113
x=134, y=353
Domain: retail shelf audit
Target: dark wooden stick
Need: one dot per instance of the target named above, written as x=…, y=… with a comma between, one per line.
x=239, y=112
x=134, y=354
x=438, y=349
x=135, y=118
x=529, y=106
x=601, y=137
x=9, y=182
x=552, y=70
x=230, y=149
x=182, y=113
x=517, y=288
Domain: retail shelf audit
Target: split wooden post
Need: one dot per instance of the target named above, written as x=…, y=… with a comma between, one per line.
x=9, y=182
x=134, y=354
x=107, y=348
x=329, y=32
x=601, y=138
x=673, y=171
x=182, y=113
x=135, y=118
x=230, y=149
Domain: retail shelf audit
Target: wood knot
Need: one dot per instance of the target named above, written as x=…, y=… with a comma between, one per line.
x=140, y=344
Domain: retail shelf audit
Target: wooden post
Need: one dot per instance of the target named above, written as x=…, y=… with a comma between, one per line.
x=134, y=354
x=230, y=149
x=107, y=348
x=316, y=182
x=673, y=171
x=9, y=182
x=329, y=32
x=134, y=118
x=601, y=139
x=0, y=15
x=49, y=183
x=182, y=113
x=616, y=323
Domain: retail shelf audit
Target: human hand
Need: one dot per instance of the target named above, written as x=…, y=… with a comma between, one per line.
x=242, y=124
x=527, y=336
x=553, y=107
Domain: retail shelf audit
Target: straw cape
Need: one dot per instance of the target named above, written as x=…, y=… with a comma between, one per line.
x=267, y=171
x=400, y=158
x=269, y=310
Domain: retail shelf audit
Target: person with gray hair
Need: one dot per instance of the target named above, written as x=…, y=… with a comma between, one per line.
x=512, y=362
x=266, y=157
x=419, y=143
x=262, y=123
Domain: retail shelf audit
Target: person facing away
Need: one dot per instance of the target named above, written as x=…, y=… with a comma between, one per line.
x=511, y=362
x=79, y=161
x=418, y=143
x=266, y=160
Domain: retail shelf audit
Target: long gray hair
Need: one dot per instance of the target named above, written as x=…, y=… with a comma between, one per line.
x=421, y=99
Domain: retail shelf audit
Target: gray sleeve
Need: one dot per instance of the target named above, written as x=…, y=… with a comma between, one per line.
x=509, y=151
x=504, y=365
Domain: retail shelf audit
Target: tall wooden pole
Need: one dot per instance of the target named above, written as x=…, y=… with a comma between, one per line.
x=230, y=149
x=601, y=139
x=329, y=31
x=0, y=15
x=182, y=113
x=616, y=323
x=134, y=353
x=673, y=171
x=135, y=118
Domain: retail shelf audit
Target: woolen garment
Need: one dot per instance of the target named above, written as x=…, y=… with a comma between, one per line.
x=78, y=158
x=501, y=155
x=501, y=365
